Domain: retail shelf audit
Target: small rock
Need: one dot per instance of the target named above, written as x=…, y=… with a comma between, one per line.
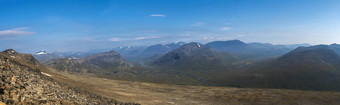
x=13, y=80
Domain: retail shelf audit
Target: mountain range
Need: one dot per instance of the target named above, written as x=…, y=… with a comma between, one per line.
x=220, y=63
x=153, y=52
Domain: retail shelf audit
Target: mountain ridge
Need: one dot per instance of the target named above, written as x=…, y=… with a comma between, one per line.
x=24, y=83
x=306, y=68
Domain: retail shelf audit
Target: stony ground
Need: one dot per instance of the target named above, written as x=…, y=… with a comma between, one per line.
x=20, y=83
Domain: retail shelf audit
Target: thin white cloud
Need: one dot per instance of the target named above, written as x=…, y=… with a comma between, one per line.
x=142, y=38
x=225, y=28
x=157, y=15
x=197, y=24
x=114, y=39
x=15, y=32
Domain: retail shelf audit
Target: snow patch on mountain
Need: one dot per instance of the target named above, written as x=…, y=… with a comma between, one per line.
x=41, y=52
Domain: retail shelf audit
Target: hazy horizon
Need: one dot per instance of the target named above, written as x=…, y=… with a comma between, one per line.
x=30, y=26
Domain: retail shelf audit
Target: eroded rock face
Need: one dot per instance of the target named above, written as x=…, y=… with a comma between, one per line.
x=20, y=84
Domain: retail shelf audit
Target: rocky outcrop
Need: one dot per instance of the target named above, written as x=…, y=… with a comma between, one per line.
x=24, y=83
x=28, y=58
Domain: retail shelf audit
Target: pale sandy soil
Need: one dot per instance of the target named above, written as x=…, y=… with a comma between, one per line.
x=165, y=94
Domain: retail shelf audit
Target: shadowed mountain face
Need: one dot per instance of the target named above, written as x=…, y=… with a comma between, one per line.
x=320, y=57
x=308, y=68
x=194, y=55
x=335, y=47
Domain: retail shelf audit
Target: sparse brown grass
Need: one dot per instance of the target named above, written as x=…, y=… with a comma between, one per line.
x=166, y=94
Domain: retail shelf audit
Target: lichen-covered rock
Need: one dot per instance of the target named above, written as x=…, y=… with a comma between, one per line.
x=21, y=83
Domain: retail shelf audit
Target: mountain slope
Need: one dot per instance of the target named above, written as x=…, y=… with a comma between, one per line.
x=110, y=59
x=307, y=68
x=162, y=48
x=130, y=53
x=22, y=82
x=228, y=46
x=23, y=57
x=194, y=55
x=315, y=57
x=249, y=50
x=335, y=47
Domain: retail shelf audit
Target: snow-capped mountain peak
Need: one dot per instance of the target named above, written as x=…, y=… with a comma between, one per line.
x=41, y=52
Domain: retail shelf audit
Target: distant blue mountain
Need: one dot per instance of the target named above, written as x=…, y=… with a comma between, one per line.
x=293, y=46
x=229, y=46
x=162, y=48
x=307, y=68
x=251, y=50
x=133, y=53
x=335, y=47
x=194, y=55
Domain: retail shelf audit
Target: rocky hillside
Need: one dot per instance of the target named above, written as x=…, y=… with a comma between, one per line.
x=23, y=57
x=22, y=82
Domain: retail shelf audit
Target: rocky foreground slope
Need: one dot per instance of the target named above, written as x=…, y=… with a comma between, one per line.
x=24, y=83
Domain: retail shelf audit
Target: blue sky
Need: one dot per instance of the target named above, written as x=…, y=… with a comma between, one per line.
x=80, y=25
